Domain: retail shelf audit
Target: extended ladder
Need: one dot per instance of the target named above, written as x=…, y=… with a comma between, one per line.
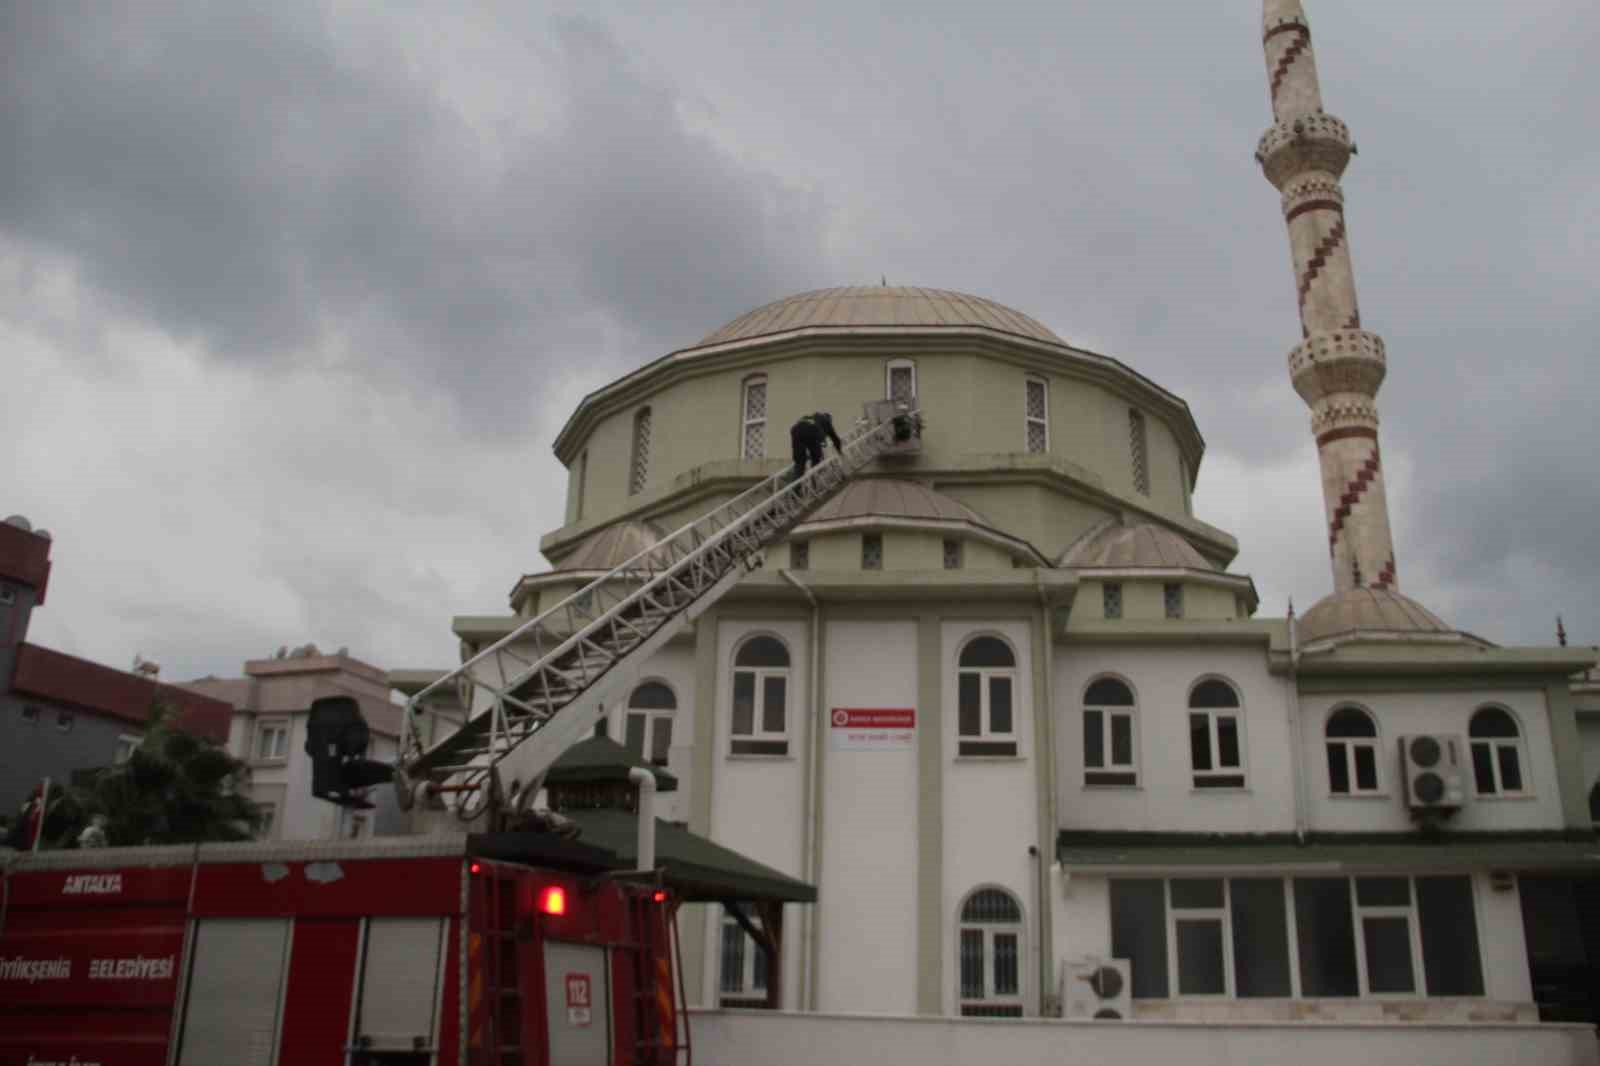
x=541, y=688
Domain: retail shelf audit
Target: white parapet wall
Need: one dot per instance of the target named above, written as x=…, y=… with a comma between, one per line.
x=748, y=1038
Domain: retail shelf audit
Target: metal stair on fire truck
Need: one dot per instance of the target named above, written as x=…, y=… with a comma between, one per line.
x=540, y=689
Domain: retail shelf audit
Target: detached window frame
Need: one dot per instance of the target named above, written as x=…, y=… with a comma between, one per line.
x=1216, y=722
x=991, y=955
x=1499, y=753
x=1352, y=743
x=263, y=749
x=647, y=721
x=758, y=676
x=986, y=668
x=1110, y=729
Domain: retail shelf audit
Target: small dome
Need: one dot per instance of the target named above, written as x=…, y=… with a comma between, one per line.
x=1124, y=547
x=867, y=305
x=21, y=522
x=1369, y=611
x=894, y=498
x=611, y=547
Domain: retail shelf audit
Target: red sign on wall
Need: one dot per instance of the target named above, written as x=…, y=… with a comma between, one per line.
x=872, y=728
x=579, y=999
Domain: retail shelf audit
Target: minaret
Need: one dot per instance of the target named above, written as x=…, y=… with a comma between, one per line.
x=1338, y=366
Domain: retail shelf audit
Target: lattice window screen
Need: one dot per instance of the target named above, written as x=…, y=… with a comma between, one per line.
x=952, y=555
x=1036, y=415
x=1138, y=445
x=872, y=551
x=639, y=469
x=754, y=445
x=903, y=384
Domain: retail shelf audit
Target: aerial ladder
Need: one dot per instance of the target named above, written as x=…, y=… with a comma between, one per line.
x=541, y=688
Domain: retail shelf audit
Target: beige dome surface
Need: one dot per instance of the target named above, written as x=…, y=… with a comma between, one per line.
x=1120, y=547
x=1369, y=610
x=894, y=498
x=611, y=547
x=866, y=305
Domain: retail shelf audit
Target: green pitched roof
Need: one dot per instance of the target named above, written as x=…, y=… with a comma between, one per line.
x=603, y=759
x=697, y=869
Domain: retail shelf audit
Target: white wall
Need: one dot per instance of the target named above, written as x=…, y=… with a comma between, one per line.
x=866, y=906
x=756, y=800
x=1165, y=798
x=990, y=808
x=674, y=667
x=1404, y=713
x=739, y=1038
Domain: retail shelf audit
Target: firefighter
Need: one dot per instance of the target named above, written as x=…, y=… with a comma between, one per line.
x=806, y=436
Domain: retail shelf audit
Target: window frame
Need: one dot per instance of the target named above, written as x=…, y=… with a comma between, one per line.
x=746, y=387
x=888, y=378
x=800, y=555
x=1111, y=600
x=872, y=551
x=1360, y=912
x=1172, y=599
x=1373, y=743
x=1107, y=712
x=30, y=713
x=759, y=734
x=990, y=930
x=1212, y=714
x=1517, y=745
x=752, y=976
x=652, y=716
x=65, y=720
x=264, y=726
x=582, y=479
x=1223, y=915
x=1028, y=420
x=639, y=451
x=955, y=553
x=986, y=734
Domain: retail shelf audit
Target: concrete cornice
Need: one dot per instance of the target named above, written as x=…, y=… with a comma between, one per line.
x=732, y=476
x=1463, y=661
x=887, y=341
x=1055, y=587
x=1273, y=633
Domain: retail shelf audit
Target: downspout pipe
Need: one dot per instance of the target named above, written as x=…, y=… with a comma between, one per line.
x=810, y=857
x=645, y=852
x=1047, y=766
x=1297, y=759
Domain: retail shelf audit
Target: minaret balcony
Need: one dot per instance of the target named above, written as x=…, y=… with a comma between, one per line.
x=1337, y=361
x=1316, y=141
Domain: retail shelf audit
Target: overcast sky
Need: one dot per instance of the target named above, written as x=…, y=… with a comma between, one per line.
x=292, y=304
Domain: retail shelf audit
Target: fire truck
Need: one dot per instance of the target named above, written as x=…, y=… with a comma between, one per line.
x=452, y=947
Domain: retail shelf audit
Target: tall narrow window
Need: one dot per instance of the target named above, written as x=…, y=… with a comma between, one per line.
x=872, y=551
x=761, y=698
x=952, y=554
x=272, y=740
x=1497, y=755
x=900, y=381
x=991, y=955
x=1199, y=935
x=1352, y=739
x=1111, y=598
x=986, y=682
x=1184, y=486
x=582, y=482
x=1108, y=746
x=647, y=727
x=799, y=555
x=744, y=966
x=1139, y=449
x=1036, y=415
x=1387, y=935
x=639, y=466
x=1172, y=596
x=1216, y=735
x=753, y=431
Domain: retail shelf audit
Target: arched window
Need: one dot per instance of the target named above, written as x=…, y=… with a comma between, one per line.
x=1216, y=735
x=1036, y=415
x=1108, y=745
x=1497, y=753
x=639, y=465
x=1352, y=739
x=753, y=418
x=986, y=682
x=991, y=955
x=761, y=697
x=647, y=726
x=900, y=381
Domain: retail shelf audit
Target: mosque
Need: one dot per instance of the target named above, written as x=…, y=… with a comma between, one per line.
x=1005, y=704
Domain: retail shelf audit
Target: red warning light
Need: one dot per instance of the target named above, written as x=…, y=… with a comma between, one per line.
x=660, y=896
x=475, y=869
x=553, y=900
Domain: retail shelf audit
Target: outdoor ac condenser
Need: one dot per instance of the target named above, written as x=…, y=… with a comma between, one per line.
x=1097, y=989
x=1431, y=767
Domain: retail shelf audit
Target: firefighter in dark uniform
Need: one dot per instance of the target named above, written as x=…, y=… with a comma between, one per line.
x=806, y=436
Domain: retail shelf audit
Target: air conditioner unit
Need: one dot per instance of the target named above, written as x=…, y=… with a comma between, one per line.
x=1431, y=767
x=1096, y=988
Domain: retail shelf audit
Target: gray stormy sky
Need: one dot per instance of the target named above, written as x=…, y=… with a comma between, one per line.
x=292, y=303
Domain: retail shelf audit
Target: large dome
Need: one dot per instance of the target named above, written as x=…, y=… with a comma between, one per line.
x=886, y=305
x=1370, y=611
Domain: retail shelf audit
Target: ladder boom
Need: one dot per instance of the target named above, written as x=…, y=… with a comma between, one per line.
x=540, y=689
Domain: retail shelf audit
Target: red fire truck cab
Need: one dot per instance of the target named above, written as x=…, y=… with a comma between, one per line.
x=403, y=951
